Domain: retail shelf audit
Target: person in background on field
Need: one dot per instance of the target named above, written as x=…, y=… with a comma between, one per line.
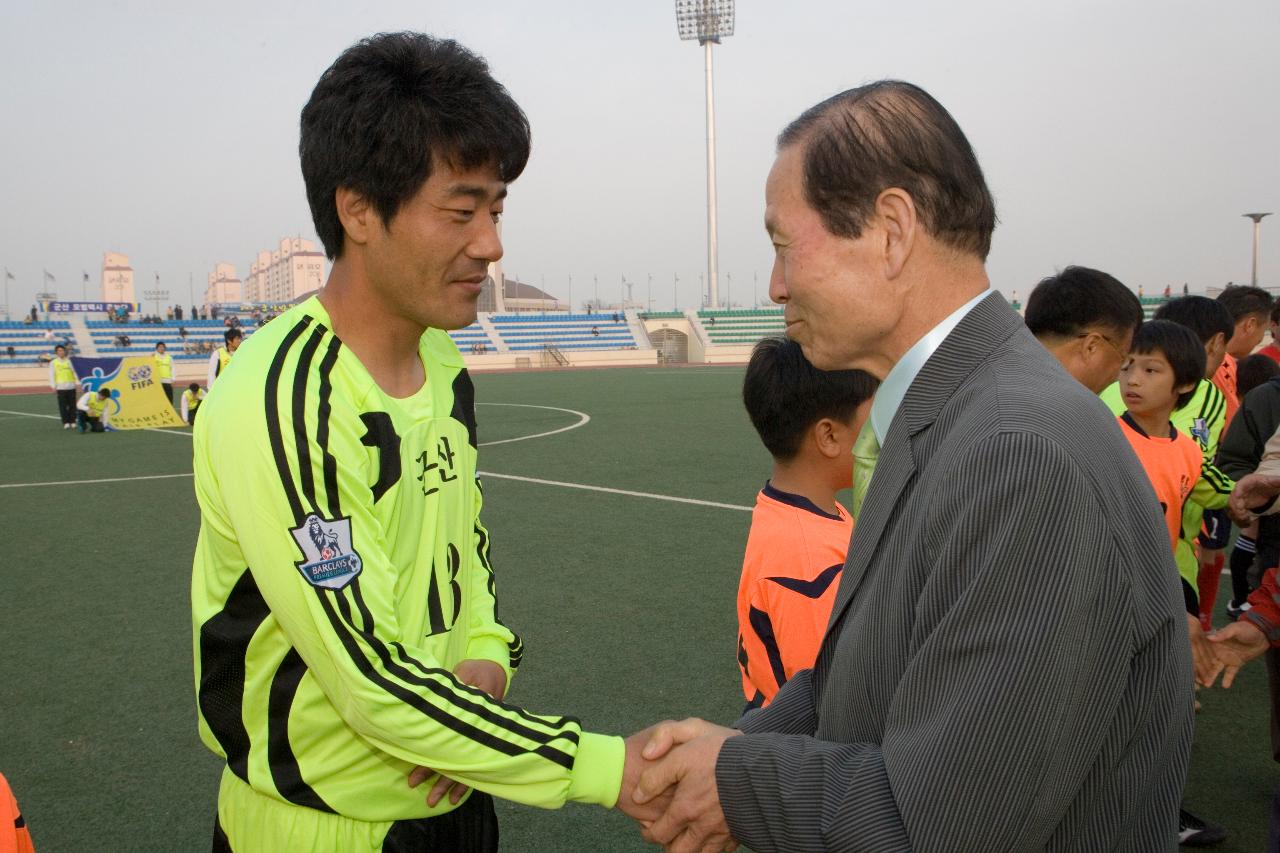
x=164, y=370
x=1250, y=309
x=191, y=400
x=1164, y=367
x=64, y=382
x=808, y=420
x=94, y=412
x=1086, y=319
x=222, y=355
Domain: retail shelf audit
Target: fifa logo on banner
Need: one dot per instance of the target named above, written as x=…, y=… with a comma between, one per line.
x=139, y=377
x=328, y=558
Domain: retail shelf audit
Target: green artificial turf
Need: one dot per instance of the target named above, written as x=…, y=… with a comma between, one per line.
x=626, y=605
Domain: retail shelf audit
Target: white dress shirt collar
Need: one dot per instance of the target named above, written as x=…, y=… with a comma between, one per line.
x=895, y=385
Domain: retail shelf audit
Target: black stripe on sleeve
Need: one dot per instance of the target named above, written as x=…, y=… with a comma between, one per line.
x=272, y=403
x=434, y=676
x=285, y=772
x=224, y=643
x=302, y=440
x=763, y=626
x=329, y=463
x=407, y=696
x=814, y=588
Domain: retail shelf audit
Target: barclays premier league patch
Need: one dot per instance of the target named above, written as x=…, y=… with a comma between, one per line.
x=328, y=558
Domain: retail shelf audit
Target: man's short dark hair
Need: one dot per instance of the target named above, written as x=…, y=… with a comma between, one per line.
x=1243, y=299
x=1200, y=314
x=193, y=387
x=893, y=134
x=232, y=334
x=785, y=394
x=59, y=347
x=1180, y=347
x=1079, y=299
x=388, y=109
x=1252, y=371
x=104, y=392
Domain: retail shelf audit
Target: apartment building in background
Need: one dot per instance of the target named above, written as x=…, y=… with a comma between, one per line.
x=293, y=270
x=117, y=278
x=224, y=286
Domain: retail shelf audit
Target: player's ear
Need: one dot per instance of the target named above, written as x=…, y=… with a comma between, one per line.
x=826, y=437
x=356, y=214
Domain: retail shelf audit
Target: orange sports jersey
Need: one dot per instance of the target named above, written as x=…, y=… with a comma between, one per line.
x=795, y=553
x=1172, y=463
x=14, y=837
x=1225, y=378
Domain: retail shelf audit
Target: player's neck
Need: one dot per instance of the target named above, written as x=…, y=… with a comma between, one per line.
x=386, y=344
x=797, y=478
x=1154, y=424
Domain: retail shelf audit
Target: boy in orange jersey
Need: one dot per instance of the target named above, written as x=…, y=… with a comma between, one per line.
x=808, y=419
x=1160, y=376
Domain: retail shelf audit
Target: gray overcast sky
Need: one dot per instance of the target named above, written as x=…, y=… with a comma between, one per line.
x=1129, y=136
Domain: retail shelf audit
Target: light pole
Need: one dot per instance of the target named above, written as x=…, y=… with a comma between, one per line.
x=675, y=300
x=708, y=21
x=8, y=277
x=1257, y=231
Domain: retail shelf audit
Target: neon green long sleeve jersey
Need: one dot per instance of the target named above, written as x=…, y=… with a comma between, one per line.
x=340, y=575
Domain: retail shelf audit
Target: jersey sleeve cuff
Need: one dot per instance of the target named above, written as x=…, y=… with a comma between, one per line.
x=597, y=770
x=492, y=649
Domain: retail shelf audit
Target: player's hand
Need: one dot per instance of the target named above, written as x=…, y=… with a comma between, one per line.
x=1252, y=490
x=485, y=674
x=694, y=822
x=633, y=765
x=489, y=677
x=1202, y=657
x=1233, y=647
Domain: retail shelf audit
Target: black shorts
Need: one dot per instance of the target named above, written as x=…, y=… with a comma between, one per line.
x=1216, y=532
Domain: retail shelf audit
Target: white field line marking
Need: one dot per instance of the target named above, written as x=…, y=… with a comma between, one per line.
x=85, y=482
x=610, y=491
x=583, y=420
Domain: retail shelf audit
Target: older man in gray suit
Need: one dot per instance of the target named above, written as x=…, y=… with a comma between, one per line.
x=1007, y=666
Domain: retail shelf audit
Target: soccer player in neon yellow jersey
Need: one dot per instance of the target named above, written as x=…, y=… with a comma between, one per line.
x=347, y=643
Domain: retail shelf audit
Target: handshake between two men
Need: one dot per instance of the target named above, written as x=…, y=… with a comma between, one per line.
x=668, y=780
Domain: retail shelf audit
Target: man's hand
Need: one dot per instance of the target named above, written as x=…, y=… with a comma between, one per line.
x=485, y=674
x=1233, y=647
x=646, y=813
x=694, y=822
x=1252, y=490
x=1201, y=651
x=489, y=677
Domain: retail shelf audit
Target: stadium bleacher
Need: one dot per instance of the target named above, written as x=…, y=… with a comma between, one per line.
x=143, y=337
x=526, y=332
x=741, y=326
x=472, y=336
x=29, y=342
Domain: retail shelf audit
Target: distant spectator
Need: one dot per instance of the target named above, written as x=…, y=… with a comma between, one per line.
x=94, y=413
x=48, y=334
x=195, y=313
x=595, y=332
x=164, y=369
x=226, y=321
x=177, y=313
x=191, y=400
x=182, y=332
x=34, y=316
x=11, y=351
x=64, y=382
x=219, y=360
x=615, y=316
x=169, y=313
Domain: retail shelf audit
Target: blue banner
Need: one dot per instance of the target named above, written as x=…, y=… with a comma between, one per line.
x=68, y=307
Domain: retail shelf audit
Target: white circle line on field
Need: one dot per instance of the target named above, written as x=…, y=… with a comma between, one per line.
x=583, y=420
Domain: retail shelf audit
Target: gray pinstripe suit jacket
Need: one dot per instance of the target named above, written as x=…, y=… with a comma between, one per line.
x=1007, y=665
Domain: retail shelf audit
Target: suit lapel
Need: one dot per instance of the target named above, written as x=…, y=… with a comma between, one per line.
x=978, y=334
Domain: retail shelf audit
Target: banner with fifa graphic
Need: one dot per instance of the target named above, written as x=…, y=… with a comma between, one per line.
x=137, y=400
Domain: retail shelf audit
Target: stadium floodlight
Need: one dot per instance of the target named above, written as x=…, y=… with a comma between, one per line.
x=708, y=21
x=1257, y=231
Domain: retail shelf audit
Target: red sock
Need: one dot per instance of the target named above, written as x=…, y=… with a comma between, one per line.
x=1207, y=582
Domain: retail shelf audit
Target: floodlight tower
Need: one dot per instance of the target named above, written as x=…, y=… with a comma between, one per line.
x=1257, y=230
x=708, y=21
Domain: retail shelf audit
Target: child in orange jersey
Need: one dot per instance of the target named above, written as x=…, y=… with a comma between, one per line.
x=14, y=837
x=808, y=419
x=1160, y=375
